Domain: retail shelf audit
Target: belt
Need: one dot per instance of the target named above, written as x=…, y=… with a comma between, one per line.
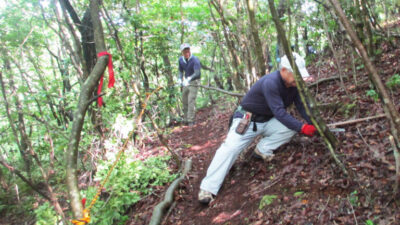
x=240, y=111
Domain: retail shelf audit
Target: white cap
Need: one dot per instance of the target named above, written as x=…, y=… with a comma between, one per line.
x=184, y=45
x=300, y=62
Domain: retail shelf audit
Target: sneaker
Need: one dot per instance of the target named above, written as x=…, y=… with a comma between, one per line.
x=266, y=158
x=205, y=197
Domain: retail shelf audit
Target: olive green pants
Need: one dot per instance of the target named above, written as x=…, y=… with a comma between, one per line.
x=189, y=95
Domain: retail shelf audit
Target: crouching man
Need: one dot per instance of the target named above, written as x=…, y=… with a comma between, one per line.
x=263, y=110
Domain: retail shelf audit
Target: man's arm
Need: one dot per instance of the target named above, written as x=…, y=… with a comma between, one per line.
x=196, y=67
x=195, y=75
x=275, y=103
x=180, y=68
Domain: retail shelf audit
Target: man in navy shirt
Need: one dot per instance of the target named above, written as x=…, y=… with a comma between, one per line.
x=189, y=75
x=267, y=101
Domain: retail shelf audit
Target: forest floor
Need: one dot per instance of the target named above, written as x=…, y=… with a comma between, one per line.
x=303, y=184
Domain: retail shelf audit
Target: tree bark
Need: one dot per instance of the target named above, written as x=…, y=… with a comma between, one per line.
x=84, y=98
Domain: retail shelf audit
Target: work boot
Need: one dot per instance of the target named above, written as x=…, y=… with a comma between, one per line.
x=266, y=158
x=205, y=197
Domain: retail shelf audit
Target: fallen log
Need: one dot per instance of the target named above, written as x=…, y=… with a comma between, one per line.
x=159, y=210
x=219, y=90
x=242, y=95
x=333, y=125
x=323, y=80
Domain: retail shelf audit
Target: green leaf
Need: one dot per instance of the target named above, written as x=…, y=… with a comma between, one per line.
x=298, y=193
x=267, y=200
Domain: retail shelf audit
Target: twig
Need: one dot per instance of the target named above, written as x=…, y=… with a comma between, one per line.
x=397, y=160
x=329, y=198
x=376, y=153
x=266, y=186
x=352, y=209
x=95, y=98
x=169, y=212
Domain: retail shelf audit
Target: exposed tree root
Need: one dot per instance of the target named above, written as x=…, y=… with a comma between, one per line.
x=160, y=209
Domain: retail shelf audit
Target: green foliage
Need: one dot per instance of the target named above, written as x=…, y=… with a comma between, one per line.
x=369, y=222
x=267, y=200
x=348, y=108
x=359, y=67
x=45, y=215
x=394, y=81
x=129, y=182
x=353, y=199
x=373, y=94
x=298, y=193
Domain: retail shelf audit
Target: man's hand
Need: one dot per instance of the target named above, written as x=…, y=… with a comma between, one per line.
x=180, y=82
x=186, y=81
x=308, y=130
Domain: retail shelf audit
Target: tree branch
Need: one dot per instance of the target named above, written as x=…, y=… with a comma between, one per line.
x=24, y=179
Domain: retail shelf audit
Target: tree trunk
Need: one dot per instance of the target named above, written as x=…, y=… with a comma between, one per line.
x=22, y=146
x=367, y=26
x=182, y=23
x=84, y=99
x=258, y=50
x=231, y=46
x=217, y=39
x=308, y=101
x=390, y=110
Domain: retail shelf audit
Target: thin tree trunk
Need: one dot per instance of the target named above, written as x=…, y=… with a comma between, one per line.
x=217, y=39
x=367, y=26
x=335, y=55
x=84, y=99
x=390, y=110
x=27, y=148
x=231, y=47
x=77, y=58
x=182, y=22
x=308, y=101
x=114, y=32
x=22, y=146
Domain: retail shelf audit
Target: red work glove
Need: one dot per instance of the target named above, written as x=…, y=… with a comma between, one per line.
x=308, y=130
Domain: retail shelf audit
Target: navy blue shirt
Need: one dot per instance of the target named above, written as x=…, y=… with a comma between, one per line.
x=188, y=67
x=270, y=97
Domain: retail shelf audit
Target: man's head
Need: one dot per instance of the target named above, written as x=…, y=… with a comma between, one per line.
x=185, y=49
x=287, y=71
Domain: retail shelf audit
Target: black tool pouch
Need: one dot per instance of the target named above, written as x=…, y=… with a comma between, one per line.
x=244, y=123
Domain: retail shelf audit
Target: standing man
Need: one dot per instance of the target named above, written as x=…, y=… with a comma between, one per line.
x=261, y=112
x=189, y=73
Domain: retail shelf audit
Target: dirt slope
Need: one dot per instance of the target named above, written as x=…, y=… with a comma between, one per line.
x=302, y=183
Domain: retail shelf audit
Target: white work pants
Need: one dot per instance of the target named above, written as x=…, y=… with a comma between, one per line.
x=274, y=135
